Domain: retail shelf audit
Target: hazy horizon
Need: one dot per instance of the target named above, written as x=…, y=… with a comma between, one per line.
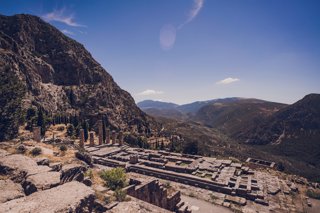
x=195, y=50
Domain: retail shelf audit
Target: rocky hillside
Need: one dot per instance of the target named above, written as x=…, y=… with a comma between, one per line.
x=235, y=117
x=60, y=75
x=300, y=118
x=294, y=133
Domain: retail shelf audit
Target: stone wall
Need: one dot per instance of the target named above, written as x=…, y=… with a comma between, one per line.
x=153, y=192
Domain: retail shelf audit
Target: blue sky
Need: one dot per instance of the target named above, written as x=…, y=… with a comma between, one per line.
x=187, y=50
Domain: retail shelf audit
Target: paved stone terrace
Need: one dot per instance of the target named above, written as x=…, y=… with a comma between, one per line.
x=240, y=183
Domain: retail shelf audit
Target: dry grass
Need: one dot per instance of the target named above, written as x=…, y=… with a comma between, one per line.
x=96, y=179
x=53, y=130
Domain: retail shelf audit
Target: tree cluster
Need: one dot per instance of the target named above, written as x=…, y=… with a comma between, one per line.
x=11, y=113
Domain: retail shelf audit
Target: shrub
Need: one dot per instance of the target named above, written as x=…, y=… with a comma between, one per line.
x=114, y=178
x=63, y=148
x=89, y=174
x=21, y=149
x=213, y=197
x=167, y=184
x=191, y=194
x=60, y=128
x=120, y=195
x=84, y=156
x=280, y=167
x=70, y=130
x=36, y=151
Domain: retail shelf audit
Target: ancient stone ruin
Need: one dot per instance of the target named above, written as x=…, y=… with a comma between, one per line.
x=37, y=134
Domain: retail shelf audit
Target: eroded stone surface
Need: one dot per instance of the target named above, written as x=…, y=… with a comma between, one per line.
x=43, y=161
x=10, y=190
x=18, y=167
x=41, y=181
x=3, y=153
x=20, y=163
x=137, y=206
x=69, y=197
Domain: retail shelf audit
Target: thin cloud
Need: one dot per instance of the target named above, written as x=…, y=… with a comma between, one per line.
x=167, y=36
x=150, y=92
x=67, y=32
x=228, y=80
x=197, y=6
x=62, y=17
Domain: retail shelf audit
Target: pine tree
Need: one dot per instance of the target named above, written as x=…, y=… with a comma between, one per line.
x=70, y=130
x=41, y=121
x=162, y=145
x=85, y=127
x=75, y=120
x=104, y=136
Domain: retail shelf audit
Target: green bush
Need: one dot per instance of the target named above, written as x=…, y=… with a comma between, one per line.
x=114, y=178
x=63, y=148
x=89, y=174
x=70, y=130
x=120, y=195
x=36, y=151
x=167, y=184
x=60, y=128
x=21, y=149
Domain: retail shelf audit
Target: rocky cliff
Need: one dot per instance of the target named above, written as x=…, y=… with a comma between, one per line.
x=60, y=75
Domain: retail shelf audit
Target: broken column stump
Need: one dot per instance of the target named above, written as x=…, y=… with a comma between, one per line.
x=100, y=128
x=91, y=138
x=37, y=134
x=81, y=138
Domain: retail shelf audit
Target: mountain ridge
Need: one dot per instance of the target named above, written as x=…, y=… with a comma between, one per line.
x=62, y=76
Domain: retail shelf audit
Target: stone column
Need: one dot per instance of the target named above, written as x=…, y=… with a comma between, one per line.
x=120, y=138
x=114, y=137
x=81, y=138
x=91, y=138
x=107, y=136
x=37, y=134
x=100, y=128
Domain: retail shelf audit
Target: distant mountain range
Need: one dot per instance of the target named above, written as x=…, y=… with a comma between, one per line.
x=290, y=132
x=172, y=110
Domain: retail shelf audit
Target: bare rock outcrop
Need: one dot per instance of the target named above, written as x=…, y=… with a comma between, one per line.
x=72, y=172
x=10, y=190
x=3, y=153
x=60, y=75
x=19, y=166
x=84, y=156
x=41, y=181
x=69, y=197
x=55, y=166
x=43, y=161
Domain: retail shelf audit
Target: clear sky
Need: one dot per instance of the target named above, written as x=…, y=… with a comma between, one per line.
x=187, y=50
